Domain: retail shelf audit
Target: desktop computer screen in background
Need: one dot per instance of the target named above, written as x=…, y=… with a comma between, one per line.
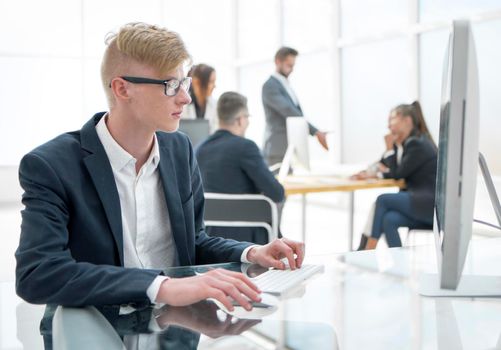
x=297, y=156
x=196, y=129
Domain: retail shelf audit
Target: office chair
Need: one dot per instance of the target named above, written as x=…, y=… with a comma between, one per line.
x=241, y=210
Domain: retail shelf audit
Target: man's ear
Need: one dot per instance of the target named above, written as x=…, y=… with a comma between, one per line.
x=240, y=120
x=120, y=89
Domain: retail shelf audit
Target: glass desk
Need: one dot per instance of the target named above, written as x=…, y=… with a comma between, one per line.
x=363, y=300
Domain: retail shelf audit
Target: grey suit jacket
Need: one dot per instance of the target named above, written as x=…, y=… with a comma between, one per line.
x=278, y=105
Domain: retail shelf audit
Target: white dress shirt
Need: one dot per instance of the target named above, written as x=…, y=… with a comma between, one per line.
x=147, y=233
x=146, y=228
x=285, y=82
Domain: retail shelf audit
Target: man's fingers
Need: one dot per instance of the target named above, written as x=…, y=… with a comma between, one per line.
x=242, y=288
x=234, y=286
x=300, y=255
x=219, y=295
x=299, y=250
x=291, y=247
x=270, y=261
x=239, y=276
x=227, y=291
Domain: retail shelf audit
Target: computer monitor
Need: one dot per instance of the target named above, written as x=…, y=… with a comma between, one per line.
x=458, y=157
x=297, y=155
x=196, y=129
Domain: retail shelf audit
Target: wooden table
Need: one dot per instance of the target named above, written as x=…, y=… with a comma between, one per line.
x=305, y=184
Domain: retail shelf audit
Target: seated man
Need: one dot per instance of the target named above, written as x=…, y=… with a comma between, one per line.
x=110, y=206
x=230, y=163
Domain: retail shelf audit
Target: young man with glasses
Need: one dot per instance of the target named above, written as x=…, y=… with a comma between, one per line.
x=108, y=207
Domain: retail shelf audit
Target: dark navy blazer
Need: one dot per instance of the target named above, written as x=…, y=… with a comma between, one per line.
x=418, y=168
x=71, y=245
x=234, y=164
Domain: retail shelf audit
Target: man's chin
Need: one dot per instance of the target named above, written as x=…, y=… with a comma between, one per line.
x=170, y=128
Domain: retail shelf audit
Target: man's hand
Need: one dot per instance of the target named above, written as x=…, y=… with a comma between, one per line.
x=219, y=284
x=269, y=255
x=322, y=139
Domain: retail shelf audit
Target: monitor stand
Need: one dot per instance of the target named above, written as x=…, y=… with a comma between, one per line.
x=469, y=285
x=490, y=186
x=286, y=163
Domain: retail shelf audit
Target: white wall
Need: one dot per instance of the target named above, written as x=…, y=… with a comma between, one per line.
x=10, y=189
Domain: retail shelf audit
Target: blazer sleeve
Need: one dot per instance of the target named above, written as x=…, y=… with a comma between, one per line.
x=46, y=272
x=253, y=165
x=313, y=130
x=413, y=158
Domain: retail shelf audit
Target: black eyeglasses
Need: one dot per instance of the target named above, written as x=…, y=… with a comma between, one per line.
x=172, y=86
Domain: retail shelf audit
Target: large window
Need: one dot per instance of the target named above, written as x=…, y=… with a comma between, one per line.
x=358, y=59
x=374, y=81
x=366, y=17
x=489, y=55
x=399, y=58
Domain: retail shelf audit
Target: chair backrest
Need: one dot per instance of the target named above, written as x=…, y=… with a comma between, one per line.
x=241, y=210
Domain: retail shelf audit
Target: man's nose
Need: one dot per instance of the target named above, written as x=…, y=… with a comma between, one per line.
x=183, y=97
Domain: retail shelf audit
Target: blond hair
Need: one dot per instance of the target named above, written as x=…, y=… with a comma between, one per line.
x=157, y=47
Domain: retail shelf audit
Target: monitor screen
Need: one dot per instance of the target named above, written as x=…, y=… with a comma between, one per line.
x=457, y=155
x=457, y=170
x=297, y=137
x=196, y=129
x=442, y=145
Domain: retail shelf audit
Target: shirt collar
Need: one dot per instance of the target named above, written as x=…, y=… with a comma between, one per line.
x=281, y=78
x=154, y=157
x=119, y=157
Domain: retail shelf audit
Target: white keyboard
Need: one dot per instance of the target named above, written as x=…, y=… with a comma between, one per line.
x=280, y=281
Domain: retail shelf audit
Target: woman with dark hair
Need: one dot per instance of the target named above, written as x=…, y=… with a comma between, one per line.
x=202, y=106
x=411, y=155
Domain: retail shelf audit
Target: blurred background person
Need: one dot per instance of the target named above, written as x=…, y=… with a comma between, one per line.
x=230, y=163
x=411, y=154
x=203, y=105
x=280, y=102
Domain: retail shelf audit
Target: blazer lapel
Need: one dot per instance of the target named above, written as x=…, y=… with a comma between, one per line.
x=285, y=93
x=174, y=204
x=100, y=171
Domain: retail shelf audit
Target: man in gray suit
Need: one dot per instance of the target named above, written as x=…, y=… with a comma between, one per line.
x=280, y=102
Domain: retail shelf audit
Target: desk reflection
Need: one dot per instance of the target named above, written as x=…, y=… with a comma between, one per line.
x=146, y=328
x=361, y=301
